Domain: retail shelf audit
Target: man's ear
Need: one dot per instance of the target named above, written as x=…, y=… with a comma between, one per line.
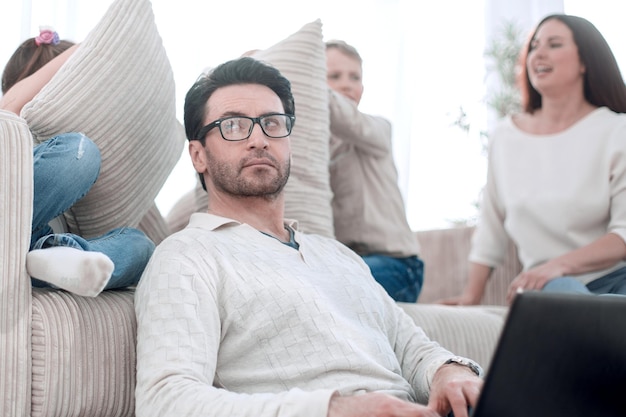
x=198, y=156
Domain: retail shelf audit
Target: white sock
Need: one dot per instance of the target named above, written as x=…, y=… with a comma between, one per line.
x=74, y=270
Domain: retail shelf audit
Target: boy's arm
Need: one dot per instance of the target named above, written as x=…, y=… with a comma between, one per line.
x=370, y=134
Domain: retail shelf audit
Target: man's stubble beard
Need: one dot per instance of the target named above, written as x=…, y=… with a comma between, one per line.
x=229, y=180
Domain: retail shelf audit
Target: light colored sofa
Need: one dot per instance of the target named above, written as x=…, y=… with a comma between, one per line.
x=65, y=355
x=445, y=253
x=62, y=354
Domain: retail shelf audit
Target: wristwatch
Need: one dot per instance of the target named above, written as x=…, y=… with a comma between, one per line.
x=473, y=366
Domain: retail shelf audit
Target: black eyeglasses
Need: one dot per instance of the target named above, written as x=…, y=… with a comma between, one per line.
x=235, y=128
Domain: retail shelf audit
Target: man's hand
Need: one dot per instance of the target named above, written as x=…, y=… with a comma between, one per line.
x=455, y=388
x=375, y=404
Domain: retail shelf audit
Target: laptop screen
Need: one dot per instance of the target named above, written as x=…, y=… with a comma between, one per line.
x=559, y=355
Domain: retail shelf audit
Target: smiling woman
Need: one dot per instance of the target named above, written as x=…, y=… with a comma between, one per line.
x=557, y=170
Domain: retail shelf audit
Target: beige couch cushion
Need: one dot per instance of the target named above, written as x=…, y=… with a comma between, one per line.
x=300, y=57
x=446, y=266
x=16, y=203
x=83, y=354
x=471, y=331
x=118, y=89
x=195, y=200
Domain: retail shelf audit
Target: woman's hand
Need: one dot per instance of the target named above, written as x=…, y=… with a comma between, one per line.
x=600, y=254
x=475, y=288
x=535, y=278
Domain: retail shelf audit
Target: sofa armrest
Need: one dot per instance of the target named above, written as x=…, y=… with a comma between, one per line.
x=445, y=253
x=469, y=331
x=16, y=198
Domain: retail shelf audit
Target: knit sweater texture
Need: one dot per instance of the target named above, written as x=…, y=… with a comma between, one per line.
x=232, y=322
x=552, y=194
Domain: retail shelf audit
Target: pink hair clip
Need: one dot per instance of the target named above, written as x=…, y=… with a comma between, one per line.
x=47, y=36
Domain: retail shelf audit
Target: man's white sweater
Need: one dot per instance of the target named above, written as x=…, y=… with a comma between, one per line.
x=232, y=322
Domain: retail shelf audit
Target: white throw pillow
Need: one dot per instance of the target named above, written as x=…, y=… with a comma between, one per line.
x=118, y=89
x=301, y=58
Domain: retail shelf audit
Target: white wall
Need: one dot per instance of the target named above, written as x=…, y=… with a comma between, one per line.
x=422, y=61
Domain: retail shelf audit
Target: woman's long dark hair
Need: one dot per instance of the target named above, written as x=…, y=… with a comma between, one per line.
x=603, y=81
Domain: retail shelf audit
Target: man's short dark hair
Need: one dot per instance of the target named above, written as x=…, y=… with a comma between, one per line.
x=244, y=70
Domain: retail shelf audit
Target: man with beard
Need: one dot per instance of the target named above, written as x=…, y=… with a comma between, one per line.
x=239, y=314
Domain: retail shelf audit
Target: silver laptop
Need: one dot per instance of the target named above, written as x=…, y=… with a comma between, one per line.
x=559, y=355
